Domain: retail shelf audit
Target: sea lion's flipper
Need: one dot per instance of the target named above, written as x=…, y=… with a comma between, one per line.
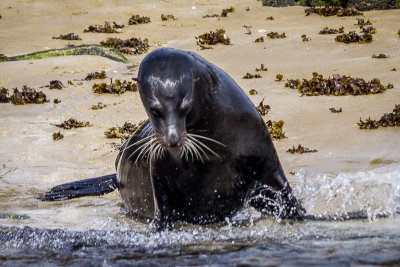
x=88, y=187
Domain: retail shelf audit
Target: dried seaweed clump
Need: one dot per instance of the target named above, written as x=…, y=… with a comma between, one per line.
x=27, y=95
x=269, y=18
x=224, y=13
x=259, y=40
x=99, y=106
x=213, y=38
x=337, y=85
x=114, y=88
x=2, y=56
x=301, y=150
x=137, y=19
x=305, y=38
x=332, y=11
x=361, y=22
x=379, y=56
x=275, y=128
x=72, y=123
x=107, y=28
x=388, y=119
x=262, y=108
x=251, y=76
x=279, y=77
x=253, y=92
x=57, y=136
x=121, y=132
x=55, y=84
x=131, y=46
x=262, y=68
x=96, y=75
x=167, y=17
x=334, y=110
x=353, y=37
x=69, y=36
x=327, y=30
x=398, y=32
x=275, y=35
x=4, y=98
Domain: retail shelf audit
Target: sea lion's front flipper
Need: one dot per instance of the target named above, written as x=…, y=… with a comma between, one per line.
x=88, y=187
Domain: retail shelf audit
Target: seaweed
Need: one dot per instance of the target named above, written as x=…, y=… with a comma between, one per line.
x=379, y=56
x=70, y=82
x=118, y=26
x=121, y=132
x=305, y=38
x=398, y=32
x=114, y=88
x=279, y=77
x=353, y=37
x=253, y=92
x=224, y=13
x=72, y=123
x=55, y=84
x=99, y=106
x=213, y=38
x=269, y=18
x=137, y=19
x=327, y=30
x=301, y=150
x=394, y=69
x=167, y=17
x=28, y=96
x=251, y=76
x=361, y=22
x=332, y=11
x=2, y=56
x=259, y=40
x=337, y=85
x=275, y=35
x=69, y=36
x=4, y=98
x=334, y=110
x=96, y=50
x=262, y=68
x=56, y=101
x=388, y=119
x=96, y=75
x=275, y=128
x=131, y=46
x=57, y=136
x=107, y=28
x=368, y=30
x=248, y=29
x=262, y=108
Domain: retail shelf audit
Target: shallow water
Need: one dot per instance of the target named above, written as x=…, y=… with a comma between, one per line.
x=247, y=239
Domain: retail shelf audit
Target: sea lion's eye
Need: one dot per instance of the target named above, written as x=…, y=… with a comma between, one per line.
x=156, y=113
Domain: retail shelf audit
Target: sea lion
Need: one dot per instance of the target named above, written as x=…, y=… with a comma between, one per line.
x=203, y=153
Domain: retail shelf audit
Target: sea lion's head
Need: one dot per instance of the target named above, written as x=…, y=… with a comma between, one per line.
x=166, y=88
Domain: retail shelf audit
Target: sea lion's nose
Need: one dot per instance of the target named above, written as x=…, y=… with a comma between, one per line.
x=173, y=137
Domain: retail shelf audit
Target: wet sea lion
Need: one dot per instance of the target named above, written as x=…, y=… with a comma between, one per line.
x=204, y=152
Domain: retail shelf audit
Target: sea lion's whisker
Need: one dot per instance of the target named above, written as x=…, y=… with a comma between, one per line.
x=206, y=147
x=145, y=149
x=140, y=141
x=140, y=148
x=199, y=147
x=196, y=150
x=150, y=152
x=207, y=138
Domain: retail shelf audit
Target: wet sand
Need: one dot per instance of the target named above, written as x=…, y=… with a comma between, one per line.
x=31, y=162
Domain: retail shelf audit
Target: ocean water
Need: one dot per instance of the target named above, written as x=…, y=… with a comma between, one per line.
x=356, y=222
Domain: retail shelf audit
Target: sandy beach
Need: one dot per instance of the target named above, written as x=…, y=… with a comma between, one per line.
x=32, y=162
